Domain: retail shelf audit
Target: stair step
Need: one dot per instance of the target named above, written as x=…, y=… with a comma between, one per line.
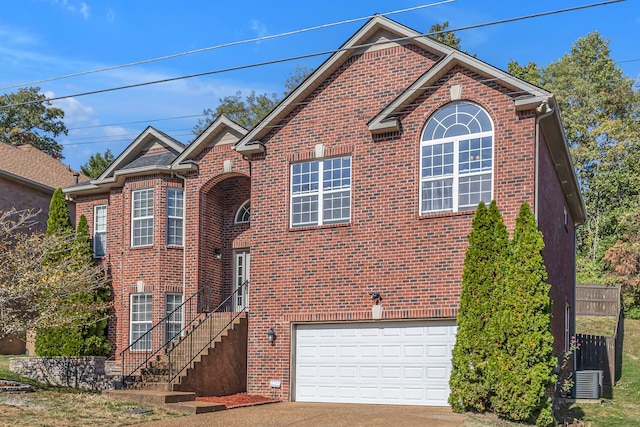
x=152, y=397
x=196, y=407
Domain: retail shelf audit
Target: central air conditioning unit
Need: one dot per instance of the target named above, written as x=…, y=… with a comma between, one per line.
x=588, y=384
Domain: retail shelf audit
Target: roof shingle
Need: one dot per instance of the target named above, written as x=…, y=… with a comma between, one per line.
x=28, y=162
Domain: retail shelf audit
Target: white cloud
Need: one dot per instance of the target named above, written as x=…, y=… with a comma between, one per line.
x=75, y=113
x=82, y=8
x=111, y=15
x=259, y=28
x=115, y=131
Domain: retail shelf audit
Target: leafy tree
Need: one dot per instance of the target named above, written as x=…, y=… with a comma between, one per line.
x=530, y=73
x=249, y=111
x=522, y=363
x=295, y=78
x=482, y=281
x=35, y=294
x=439, y=32
x=601, y=117
x=26, y=117
x=623, y=260
x=97, y=164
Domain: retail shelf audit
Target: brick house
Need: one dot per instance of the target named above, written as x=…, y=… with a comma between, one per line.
x=28, y=178
x=363, y=180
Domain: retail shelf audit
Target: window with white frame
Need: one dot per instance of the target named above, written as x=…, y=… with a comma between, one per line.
x=456, y=159
x=99, y=231
x=173, y=314
x=244, y=213
x=321, y=192
x=140, y=321
x=142, y=217
x=175, y=216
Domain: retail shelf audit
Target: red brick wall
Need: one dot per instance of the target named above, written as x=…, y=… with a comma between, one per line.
x=326, y=273
x=559, y=252
x=16, y=195
x=211, y=200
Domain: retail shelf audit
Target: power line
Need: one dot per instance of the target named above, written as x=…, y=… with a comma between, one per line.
x=223, y=45
x=311, y=55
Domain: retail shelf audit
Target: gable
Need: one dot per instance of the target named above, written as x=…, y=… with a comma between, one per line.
x=378, y=30
x=222, y=131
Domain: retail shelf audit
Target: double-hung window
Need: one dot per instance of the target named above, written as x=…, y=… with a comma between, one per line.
x=175, y=216
x=142, y=218
x=99, y=231
x=173, y=316
x=321, y=192
x=456, y=159
x=141, y=321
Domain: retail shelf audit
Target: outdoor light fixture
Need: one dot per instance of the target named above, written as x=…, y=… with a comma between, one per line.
x=218, y=253
x=271, y=336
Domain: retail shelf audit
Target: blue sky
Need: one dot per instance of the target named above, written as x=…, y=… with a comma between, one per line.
x=41, y=39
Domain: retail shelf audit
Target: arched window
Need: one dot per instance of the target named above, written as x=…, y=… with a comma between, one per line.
x=456, y=159
x=244, y=213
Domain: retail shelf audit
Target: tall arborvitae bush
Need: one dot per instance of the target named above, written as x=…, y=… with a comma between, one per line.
x=79, y=337
x=523, y=362
x=482, y=280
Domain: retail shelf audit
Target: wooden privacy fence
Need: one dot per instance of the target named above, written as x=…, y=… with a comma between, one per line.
x=597, y=300
x=598, y=352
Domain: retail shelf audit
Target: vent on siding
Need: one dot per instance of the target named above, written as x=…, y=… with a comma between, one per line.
x=588, y=384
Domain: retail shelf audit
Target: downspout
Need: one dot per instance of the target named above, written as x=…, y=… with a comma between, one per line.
x=543, y=111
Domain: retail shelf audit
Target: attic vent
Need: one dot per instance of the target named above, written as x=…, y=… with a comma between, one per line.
x=588, y=384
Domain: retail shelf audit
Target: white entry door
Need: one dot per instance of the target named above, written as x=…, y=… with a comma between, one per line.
x=403, y=363
x=241, y=261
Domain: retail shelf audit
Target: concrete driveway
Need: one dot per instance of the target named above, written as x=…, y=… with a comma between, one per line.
x=321, y=414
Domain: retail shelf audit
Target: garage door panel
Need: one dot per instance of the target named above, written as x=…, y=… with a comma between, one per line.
x=395, y=363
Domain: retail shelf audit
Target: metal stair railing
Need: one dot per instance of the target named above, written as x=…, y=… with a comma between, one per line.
x=160, y=335
x=183, y=352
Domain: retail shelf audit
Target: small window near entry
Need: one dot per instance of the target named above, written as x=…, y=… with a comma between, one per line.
x=173, y=314
x=244, y=213
x=99, y=231
x=140, y=321
x=175, y=216
x=566, y=219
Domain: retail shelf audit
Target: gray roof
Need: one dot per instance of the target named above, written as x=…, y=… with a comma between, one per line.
x=155, y=159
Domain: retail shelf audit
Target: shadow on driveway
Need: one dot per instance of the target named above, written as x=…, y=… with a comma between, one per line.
x=321, y=414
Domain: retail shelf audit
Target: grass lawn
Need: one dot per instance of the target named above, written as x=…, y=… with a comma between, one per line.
x=596, y=325
x=58, y=407
x=624, y=409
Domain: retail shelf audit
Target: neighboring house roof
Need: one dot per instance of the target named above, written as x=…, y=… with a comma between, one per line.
x=31, y=166
x=152, y=151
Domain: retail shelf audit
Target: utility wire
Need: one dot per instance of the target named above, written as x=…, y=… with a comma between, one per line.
x=311, y=55
x=219, y=46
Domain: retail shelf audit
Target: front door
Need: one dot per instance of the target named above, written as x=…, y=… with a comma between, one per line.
x=240, y=279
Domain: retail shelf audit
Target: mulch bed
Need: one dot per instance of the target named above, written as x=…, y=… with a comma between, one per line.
x=238, y=400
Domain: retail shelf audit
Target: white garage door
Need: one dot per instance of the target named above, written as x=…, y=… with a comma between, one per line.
x=391, y=363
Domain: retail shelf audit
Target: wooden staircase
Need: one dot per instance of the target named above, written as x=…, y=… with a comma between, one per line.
x=183, y=358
